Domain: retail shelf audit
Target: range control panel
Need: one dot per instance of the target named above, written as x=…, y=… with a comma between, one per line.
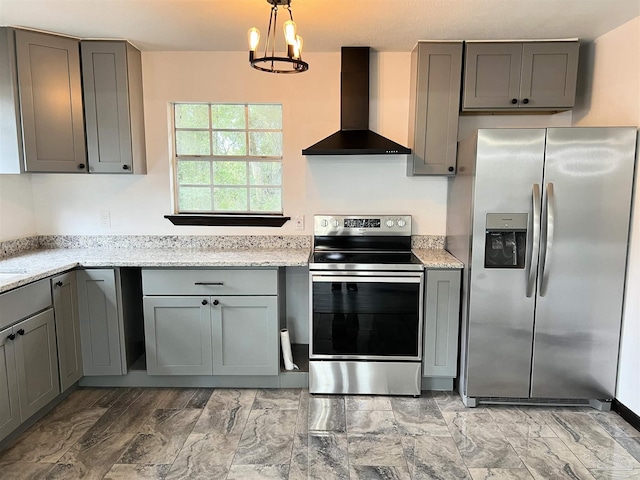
x=369, y=225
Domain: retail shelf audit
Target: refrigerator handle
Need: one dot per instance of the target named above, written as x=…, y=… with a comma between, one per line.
x=550, y=214
x=535, y=243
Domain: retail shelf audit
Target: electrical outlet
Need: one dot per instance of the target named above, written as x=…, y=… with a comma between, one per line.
x=298, y=222
x=105, y=219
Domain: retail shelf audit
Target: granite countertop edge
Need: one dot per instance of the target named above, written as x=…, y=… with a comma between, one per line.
x=35, y=265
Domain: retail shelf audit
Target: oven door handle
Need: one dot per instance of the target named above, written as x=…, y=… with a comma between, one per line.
x=359, y=279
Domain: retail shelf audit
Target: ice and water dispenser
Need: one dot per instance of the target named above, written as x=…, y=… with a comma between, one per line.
x=505, y=240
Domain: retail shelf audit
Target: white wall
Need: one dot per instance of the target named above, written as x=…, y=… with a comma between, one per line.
x=614, y=99
x=16, y=207
x=373, y=184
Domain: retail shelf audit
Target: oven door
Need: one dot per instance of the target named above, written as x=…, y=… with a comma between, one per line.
x=366, y=315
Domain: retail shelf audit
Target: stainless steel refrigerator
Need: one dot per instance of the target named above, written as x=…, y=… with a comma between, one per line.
x=540, y=218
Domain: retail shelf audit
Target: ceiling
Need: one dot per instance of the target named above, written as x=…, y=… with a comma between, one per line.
x=385, y=25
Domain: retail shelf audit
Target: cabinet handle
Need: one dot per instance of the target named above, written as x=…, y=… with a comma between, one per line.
x=21, y=331
x=204, y=302
x=209, y=283
x=81, y=166
x=451, y=169
x=125, y=167
x=12, y=336
x=216, y=302
x=525, y=100
x=514, y=100
x=58, y=284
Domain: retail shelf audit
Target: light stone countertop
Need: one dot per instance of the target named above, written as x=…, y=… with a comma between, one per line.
x=35, y=265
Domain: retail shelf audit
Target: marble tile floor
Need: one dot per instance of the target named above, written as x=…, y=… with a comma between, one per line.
x=136, y=433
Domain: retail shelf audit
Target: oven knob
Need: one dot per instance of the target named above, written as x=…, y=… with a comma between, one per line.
x=389, y=223
x=324, y=223
x=401, y=223
x=335, y=222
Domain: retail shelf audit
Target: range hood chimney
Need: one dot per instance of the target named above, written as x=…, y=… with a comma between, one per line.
x=354, y=136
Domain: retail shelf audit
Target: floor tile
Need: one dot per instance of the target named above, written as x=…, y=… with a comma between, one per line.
x=205, y=456
x=267, y=438
x=590, y=442
x=549, y=459
x=222, y=422
x=500, y=474
x=451, y=402
x=327, y=415
x=367, y=402
x=283, y=398
x=365, y=472
x=614, y=424
x=161, y=438
x=231, y=398
x=258, y=472
x=302, y=422
x=25, y=470
x=419, y=416
x=631, y=445
x=137, y=472
x=328, y=458
x=436, y=457
x=374, y=422
x=299, y=468
x=376, y=450
x=176, y=398
x=138, y=412
x=615, y=474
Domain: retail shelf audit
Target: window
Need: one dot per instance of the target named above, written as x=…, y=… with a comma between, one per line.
x=228, y=158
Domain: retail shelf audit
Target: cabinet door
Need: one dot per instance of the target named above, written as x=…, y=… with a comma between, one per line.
x=65, y=307
x=435, y=102
x=106, y=97
x=178, y=335
x=9, y=407
x=492, y=75
x=36, y=362
x=51, y=102
x=99, y=322
x=245, y=335
x=441, y=321
x=549, y=73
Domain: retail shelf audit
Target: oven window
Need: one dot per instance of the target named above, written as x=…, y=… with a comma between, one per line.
x=365, y=319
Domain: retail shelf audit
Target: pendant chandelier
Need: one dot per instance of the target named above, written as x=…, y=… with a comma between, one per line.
x=288, y=62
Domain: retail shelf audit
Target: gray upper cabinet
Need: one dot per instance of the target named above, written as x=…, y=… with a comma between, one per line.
x=436, y=68
x=12, y=159
x=112, y=84
x=50, y=92
x=501, y=76
x=441, y=323
x=65, y=307
x=100, y=322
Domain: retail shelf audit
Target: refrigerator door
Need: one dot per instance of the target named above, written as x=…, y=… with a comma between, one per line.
x=588, y=183
x=509, y=166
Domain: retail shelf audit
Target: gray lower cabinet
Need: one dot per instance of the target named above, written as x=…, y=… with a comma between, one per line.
x=441, y=323
x=436, y=68
x=36, y=362
x=50, y=92
x=9, y=404
x=65, y=307
x=178, y=335
x=112, y=86
x=520, y=76
x=245, y=335
x=100, y=322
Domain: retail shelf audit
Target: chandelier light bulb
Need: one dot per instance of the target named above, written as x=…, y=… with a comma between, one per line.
x=254, y=38
x=289, y=32
x=297, y=47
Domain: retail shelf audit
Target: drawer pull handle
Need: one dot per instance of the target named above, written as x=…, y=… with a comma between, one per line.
x=216, y=302
x=12, y=336
x=209, y=283
x=58, y=284
x=21, y=331
x=204, y=302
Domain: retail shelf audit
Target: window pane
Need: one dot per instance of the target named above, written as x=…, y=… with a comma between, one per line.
x=265, y=173
x=192, y=143
x=265, y=144
x=229, y=143
x=227, y=116
x=230, y=199
x=198, y=173
x=192, y=199
x=266, y=200
x=230, y=173
x=265, y=116
x=190, y=115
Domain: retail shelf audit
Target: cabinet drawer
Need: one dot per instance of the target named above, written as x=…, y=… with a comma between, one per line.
x=210, y=282
x=24, y=301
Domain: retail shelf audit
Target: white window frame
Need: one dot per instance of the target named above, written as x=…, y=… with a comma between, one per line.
x=246, y=159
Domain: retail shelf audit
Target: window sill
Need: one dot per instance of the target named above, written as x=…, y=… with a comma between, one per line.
x=222, y=220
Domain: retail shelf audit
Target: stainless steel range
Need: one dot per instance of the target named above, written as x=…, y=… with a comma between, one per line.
x=366, y=306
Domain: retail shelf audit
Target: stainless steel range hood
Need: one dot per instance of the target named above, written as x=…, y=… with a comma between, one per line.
x=354, y=136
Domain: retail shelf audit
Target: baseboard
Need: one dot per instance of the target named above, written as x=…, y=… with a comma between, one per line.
x=631, y=418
